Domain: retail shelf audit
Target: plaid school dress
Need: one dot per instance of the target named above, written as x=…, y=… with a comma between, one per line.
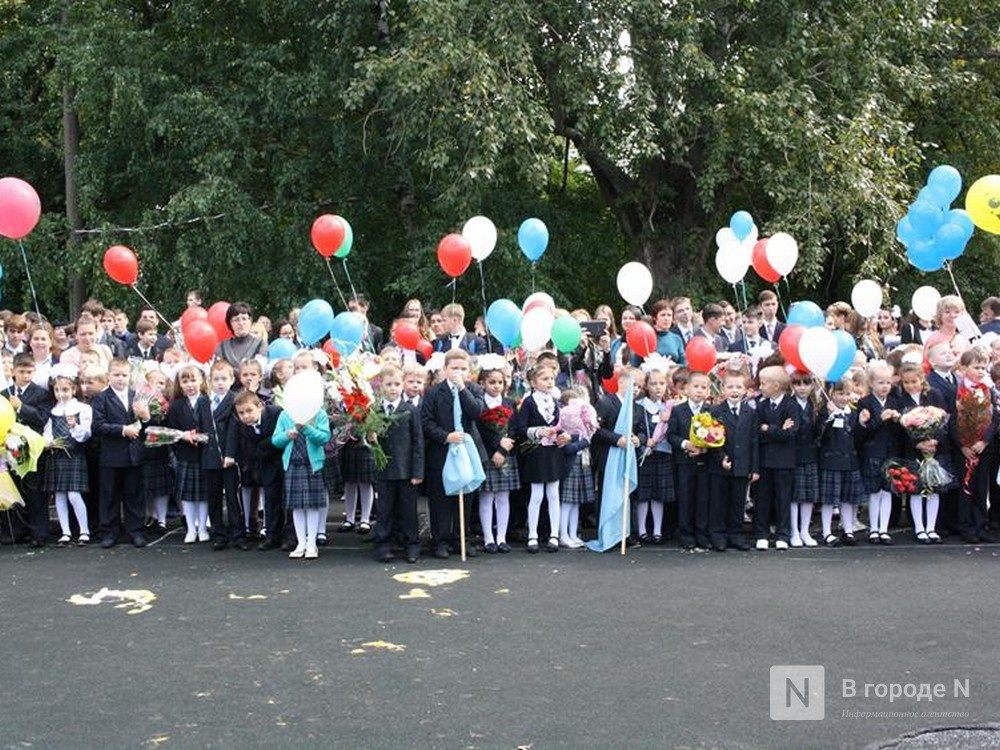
x=157, y=473
x=304, y=488
x=578, y=486
x=65, y=470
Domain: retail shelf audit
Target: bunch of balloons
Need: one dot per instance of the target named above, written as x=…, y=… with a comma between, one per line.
x=932, y=232
x=826, y=354
x=735, y=247
x=332, y=236
x=203, y=330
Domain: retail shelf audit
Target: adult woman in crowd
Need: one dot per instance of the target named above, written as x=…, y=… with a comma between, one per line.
x=43, y=349
x=620, y=353
x=244, y=344
x=888, y=329
x=592, y=358
x=668, y=343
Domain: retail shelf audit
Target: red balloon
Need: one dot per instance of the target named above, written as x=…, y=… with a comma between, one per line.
x=200, y=340
x=761, y=264
x=454, y=254
x=193, y=313
x=217, y=319
x=788, y=345
x=331, y=352
x=700, y=354
x=20, y=208
x=327, y=234
x=641, y=338
x=610, y=385
x=407, y=335
x=425, y=349
x=121, y=264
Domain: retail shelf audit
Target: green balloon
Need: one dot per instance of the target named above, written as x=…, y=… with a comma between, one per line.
x=345, y=246
x=566, y=333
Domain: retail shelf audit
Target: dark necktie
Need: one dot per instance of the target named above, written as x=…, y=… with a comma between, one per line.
x=389, y=409
x=736, y=412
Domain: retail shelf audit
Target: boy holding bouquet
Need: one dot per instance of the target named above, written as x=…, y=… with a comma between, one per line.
x=733, y=465
x=975, y=426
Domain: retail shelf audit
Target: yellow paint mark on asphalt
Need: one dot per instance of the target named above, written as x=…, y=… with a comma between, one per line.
x=445, y=612
x=432, y=577
x=415, y=594
x=133, y=601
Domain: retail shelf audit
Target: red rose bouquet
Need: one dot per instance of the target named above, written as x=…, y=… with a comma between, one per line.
x=973, y=412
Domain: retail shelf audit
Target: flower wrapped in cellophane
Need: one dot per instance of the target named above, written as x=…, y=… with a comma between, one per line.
x=706, y=431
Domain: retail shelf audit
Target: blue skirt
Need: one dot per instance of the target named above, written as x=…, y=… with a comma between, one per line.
x=304, y=488
x=841, y=487
x=806, y=484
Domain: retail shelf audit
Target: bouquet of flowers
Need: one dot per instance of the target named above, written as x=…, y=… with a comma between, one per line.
x=660, y=431
x=19, y=452
x=974, y=412
x=706, y=432
x=153, y=397
x=497, y=418
x=902, y=477
x=359, y=419
x=157, y=437
x=925, y=423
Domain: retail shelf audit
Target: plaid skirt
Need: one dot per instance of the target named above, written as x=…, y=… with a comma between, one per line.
x=157, y=479
x=356, y=463
x=504, y=479
x=189, y=486
x=331, y=476
x=806, y=484
x=65, y=473
x=872, y=476
x=578, y=487
x=841, y=487
x=304, y=488
x=656, y=481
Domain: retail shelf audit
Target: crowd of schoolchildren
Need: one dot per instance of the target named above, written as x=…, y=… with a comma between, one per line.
x=239, y=472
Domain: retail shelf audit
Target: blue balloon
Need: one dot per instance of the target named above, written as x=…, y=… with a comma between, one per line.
x=1, y=265
x=741, y=223
x=925, y=255
x=315, y=319
x=347, y=331
x=280, y=349
x=503, y=318
x=960, y=217
x=846, y=349
x=533, y=238
x=946, y=182
x=905, y=232
x=925, y=217
x=806, y=313
x=950, y=241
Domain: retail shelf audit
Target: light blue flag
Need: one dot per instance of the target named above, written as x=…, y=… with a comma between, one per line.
x=620, y=468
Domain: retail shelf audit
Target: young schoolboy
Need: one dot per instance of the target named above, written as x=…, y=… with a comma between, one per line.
x=32, y=404
x=398, y=481
x=455, y=335
x=608, y=408
x=218, y=458
x=144, y=344
x=117, y=424
x=771, y=327
x=734, y=465
x=974, y=480
x=943, y=380
x=260, y=461
x=692, y=465
x=777, y=427
x=414, y=382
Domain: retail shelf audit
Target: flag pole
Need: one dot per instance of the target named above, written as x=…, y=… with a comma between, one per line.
x=625, y=493
x=461, y=521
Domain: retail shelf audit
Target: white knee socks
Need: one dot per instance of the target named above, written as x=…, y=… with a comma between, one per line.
x=312, y=527
x=826, y=515
x=917, y=511
x=933, y=501
x=487, y=500
x=657, y=509
x=879, y=509
x=847, y=515
x=641, y=511
x=805, y=520
x=299, y=521
x=353, y=490
x=539, y=490
x=63, y=501
x=793, y=516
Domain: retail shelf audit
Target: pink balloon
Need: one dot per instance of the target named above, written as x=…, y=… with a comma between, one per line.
x=20, y=208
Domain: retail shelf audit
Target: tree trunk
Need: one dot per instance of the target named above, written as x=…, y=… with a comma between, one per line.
x=71, y=142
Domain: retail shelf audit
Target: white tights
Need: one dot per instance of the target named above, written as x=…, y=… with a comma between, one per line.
x=569, y=522
x=250, y=505
x=351, y=492
x=917, y=511
x=879, y=509
x=306, y=527
x=156, y=507
x=487, y=500
x=541, y=490
x=195, y=515
x=654, y=508
x=801, y=517
x=63, y=501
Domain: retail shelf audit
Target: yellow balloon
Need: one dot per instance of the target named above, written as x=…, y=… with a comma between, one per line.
x=983, y=203
x=7, y=417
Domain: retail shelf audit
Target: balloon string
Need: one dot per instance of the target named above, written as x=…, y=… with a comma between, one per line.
x=533, y=264
x=27, y=272
x=947, y=265
x=177, y=337
x=335, y=284
x=777, y=293
x=454, y=288
x=354, y=294
x=482, y=290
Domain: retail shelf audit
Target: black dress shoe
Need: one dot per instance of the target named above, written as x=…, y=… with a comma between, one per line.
x=441, y=553
x=220, y=544
x=742, y=546
x=987, y=537
x=719, y=547
x=490, y=549
x=321, y=540
x=36, y=543
x=288, y=545
x=503, y=548
x=385, y=557
x=108, y=542
x=242, y=544
x=268, y=544
x=138, y=540
x=970, y=538
x=412, y=555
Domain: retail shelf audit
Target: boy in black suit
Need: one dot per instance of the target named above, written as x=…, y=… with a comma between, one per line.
x=32, y=404
x=440, y=431
x=776, y=420
x=260, y=462
x=144, y=344
x=608, y=407
x=692, y=465
x=398, y=481
x=732, y=466
x=218, y=458
x=943, y=379
x=117, y=424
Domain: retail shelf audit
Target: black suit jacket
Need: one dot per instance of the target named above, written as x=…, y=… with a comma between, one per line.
x=404, y=444
x=110, y=418
x=470, y=342
x=946, y=390
x=221, y=428
x=742, y=445
x=777, y=445
x=36, y=405
x=778, y=328
x=259, y=459
x=437, y=419
x=807, y=429
x=838, y=446
x=679, y=429
x=609, y=406
x=181, y=416
x=133, y=350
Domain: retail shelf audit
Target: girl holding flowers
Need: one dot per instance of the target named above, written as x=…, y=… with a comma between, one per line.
x=501, y=469
x=67, y=429
x=876, y=419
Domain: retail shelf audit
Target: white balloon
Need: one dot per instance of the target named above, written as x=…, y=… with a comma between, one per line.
x=818, y=350
x=925, y=302
x=635, y=283
x=782, y=253
x=753, y=236
x=548, y=303
x=304, y=396
x=536, y=328
x=731, y=263
x=481, y=234
x=866, y=297
x=726, y=237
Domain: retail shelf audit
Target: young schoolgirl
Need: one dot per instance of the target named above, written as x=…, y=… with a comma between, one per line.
x=877, y=421
x=534, y=426
x=915, y=392
x=250, y=378
x=303, y=361
x=69, y=423
x=656, y=467
x=576, y=488
x=189, y=486
x=305, y=492
x=357, y=470
x=501, y=470
x=806, y=491
x=157, y=474
x=840, y=478
x=281, y=371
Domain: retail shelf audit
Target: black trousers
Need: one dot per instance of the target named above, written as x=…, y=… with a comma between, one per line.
x=34, y=520
x=725, y=513
x=774, y=500
x=971, y=509
x=692, y=503
x=221, y=485
x=121, y=488
x=397, y=515
x=274, y=511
